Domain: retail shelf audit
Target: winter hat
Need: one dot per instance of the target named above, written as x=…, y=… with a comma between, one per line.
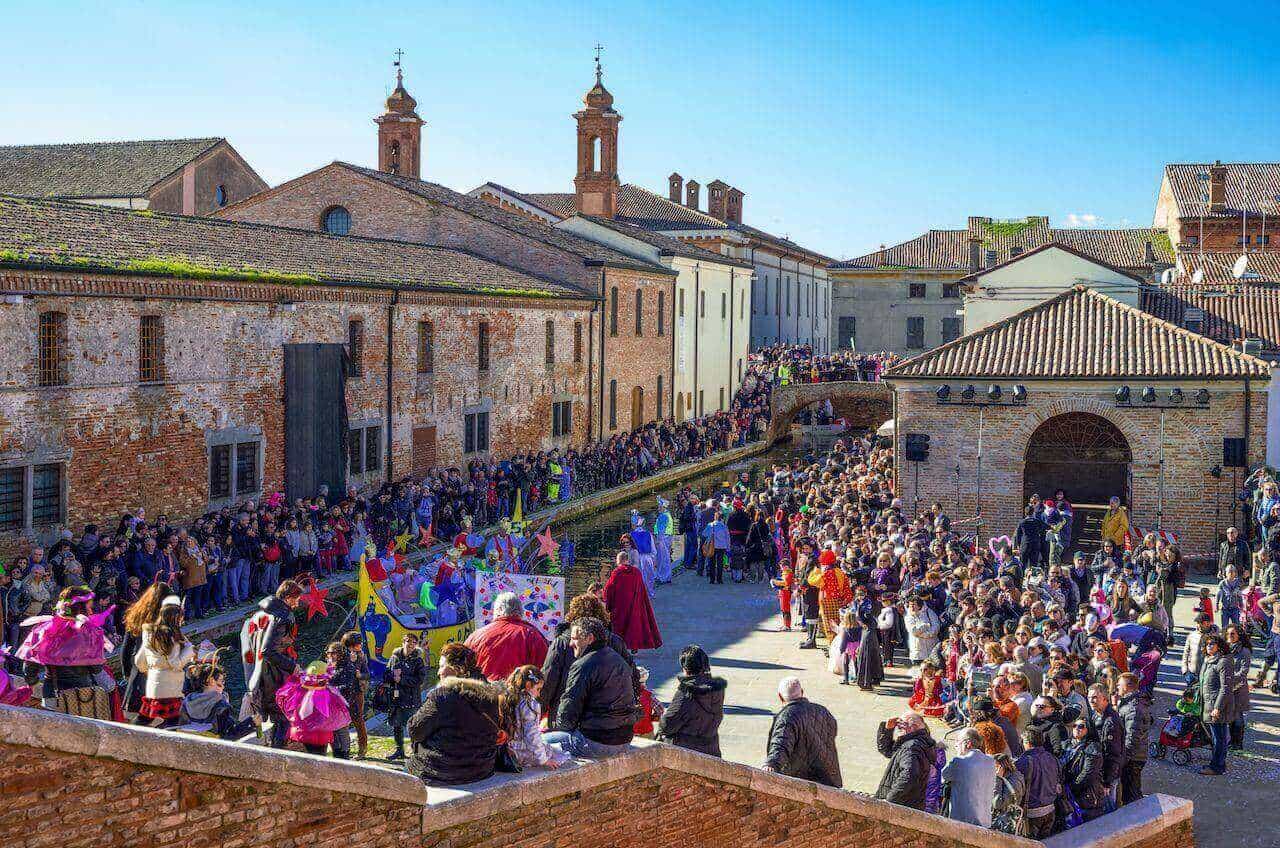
x=171, y=601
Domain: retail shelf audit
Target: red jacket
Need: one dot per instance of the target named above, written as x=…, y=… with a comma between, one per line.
x=505, y=644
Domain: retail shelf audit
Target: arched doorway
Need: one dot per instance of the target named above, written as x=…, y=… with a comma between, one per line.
x=1083, y=454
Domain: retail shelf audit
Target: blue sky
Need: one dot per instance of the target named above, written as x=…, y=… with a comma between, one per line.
x=847, y=124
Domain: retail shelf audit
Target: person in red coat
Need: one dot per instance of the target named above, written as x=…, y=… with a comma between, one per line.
x=507, y=642
x=631, y=613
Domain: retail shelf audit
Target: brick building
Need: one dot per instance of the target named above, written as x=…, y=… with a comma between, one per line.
x=186, y=176
x=789, y=295
x=171, y=362
x=629, y=372
x=1220, y=207
x=1030, y=404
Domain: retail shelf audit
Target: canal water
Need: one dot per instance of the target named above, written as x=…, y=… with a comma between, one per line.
x=595, y=541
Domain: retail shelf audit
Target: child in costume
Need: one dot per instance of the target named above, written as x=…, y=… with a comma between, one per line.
x=926, y=698
x=785, y=584
x=650, y=707
x=13, y=691
x=318, y=714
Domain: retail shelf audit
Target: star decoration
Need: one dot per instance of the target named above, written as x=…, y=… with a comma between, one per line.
x=547, y=546
x=313, y=599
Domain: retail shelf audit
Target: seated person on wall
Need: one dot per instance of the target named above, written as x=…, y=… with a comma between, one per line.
x=454, y=734
x=598, y=711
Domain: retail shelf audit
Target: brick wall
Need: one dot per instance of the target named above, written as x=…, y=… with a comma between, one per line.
x=637, y=361
x=1192, y=446
x=127, y=445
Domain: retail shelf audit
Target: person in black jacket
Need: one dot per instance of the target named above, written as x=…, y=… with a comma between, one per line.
x=906, y=742
x=802, y=739
x=1109, y=731
x=598, y=710
x=407, y=672
x=1043, y=775
x=1030, y=539
x=693, y=719
x=560, y=656
x=454, y=734
x=1134, y=709
x=1082, y=771
x=1047, y=720
x=270, y=636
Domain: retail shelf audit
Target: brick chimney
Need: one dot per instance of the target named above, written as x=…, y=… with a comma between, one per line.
x=717, y=199
x=975, y=255
x=1217, y=187
x=733, y=207
x=691, y=194
x=675, y=187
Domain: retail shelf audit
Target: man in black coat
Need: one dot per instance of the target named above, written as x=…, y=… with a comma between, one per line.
x=598, y=710
x=560, y=658
x=1234, y=550
x=1030, y=539
x=1134, y=709
x=802, y=740
x=906, y=742
x=1109, y=731
x=407, y=672
x=693, y=718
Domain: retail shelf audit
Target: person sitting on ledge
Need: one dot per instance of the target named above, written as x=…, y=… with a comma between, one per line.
x=454, y=734
x=598, y=711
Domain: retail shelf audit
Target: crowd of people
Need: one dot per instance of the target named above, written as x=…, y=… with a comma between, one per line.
x=799, y=364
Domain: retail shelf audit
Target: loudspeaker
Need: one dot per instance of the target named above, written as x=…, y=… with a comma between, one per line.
x=1233, y=453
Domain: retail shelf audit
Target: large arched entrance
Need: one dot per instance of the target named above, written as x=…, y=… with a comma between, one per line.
x=1084, y=455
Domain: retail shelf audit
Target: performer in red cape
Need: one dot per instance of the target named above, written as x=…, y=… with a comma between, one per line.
x=630, y=611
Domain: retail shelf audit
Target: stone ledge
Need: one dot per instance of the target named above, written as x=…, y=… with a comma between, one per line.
x=1129, y=825
x=165, y=749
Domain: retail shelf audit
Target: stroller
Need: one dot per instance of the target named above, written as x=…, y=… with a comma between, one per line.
x=1180, y=734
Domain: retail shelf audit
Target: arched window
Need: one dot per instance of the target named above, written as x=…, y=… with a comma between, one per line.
x=659, y=395
x=637, y=407
x=613, y=404
x=613, y=311
x=336, y=221
x=393, y=156
x=594, y=150
x=662, y=308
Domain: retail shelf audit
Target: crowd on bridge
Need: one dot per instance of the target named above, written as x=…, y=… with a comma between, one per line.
x=789, y=364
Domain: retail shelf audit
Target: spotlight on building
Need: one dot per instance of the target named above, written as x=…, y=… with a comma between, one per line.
x=1202, y=397
x=1019, y=393
x=969, y=392
x=1176, y=396
x=944, y=392
x=1149, y=394
x=993, y=392
x=1122, y=394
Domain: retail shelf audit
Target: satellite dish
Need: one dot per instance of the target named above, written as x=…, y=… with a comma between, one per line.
x=1166, y=277
x=1241, y=265
x=1198, y=277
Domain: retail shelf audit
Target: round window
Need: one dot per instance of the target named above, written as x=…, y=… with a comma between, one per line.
x=337, y=221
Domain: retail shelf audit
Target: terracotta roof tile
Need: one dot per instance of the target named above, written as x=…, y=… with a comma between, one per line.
x=1082, y=335
x=80, y=237
x=1252, y=187
x=99, y=169
x=1244, y=311
x=666, y=244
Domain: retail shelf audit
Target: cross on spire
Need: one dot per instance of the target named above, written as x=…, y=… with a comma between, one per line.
x=396, y=63
x=599, y=72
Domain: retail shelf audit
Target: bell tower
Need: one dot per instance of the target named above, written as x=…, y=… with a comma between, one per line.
x=400, y=131
x=596, y=185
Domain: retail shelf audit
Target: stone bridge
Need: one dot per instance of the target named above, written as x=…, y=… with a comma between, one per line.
x=860, y=404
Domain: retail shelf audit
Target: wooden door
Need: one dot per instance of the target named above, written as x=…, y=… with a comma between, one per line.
x=424, y=450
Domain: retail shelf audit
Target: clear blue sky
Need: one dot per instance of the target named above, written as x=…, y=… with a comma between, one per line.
x=847, y=124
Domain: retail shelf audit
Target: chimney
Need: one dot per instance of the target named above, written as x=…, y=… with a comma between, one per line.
x=691, y=194
x=734, y=207
x=1148, y=253
x=991, y=259
x=1217, y=187
x=717, y=199
x=675, y=186
x=975, y=256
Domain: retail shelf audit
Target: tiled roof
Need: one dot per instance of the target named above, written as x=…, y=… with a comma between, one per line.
x=666, y=244
x=1252, y=187
x=102, y=169
x=1246, y=311
x=520, y=224
x=948, y=250
x=80, y=237
x=1217, y=267
x=779, y=241
x=1082, y=335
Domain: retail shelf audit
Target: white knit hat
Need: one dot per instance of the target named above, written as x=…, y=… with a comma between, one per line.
x=171, y=601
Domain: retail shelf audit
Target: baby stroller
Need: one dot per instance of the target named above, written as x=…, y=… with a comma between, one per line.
x=1180, y=734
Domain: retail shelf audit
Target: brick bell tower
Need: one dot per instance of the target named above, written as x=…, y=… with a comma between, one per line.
x=596, y=185
x=400, y=132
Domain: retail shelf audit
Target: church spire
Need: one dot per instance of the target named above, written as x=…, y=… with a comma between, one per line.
x=596, y=184
x=400, y=130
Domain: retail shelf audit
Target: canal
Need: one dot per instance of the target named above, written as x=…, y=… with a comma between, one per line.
x=595, y=542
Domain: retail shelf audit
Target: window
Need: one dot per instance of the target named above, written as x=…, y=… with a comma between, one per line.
x=681, y=303
x=701, y=404
x=475, y=431
x=220, y=472
x=246, y=468
x=722, y=398
x=1193, y=240
x=482, y=346
x=46, y=495
x=577, y=342
x=639, y=313
x=613, y=404
x=702, y=305
x=916, y=290
x=551, y=342
x=950, y=329
x=788, y=297
x=659, y=395
x=355, y=346
x=613, y=311
x=13, y=497
x=915, y=333
x=336, y=221
x=847, y=332
x=220, y=195
x=764, y=305
x=51, y=351
x=234, y=464
x=662, y=308
x=742, y=305
x=950, y=289
x=724, y=306
x=151, y=349
x=561, y=418
x=31, y=496
x=1262, y=239
x=426, y=347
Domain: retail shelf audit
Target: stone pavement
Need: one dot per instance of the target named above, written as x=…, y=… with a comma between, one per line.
x=737, y=625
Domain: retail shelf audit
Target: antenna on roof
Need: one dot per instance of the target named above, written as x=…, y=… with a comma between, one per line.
x=1240, y=267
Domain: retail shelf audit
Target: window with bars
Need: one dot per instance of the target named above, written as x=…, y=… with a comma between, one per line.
x=13, y=498
x=220, y=472
x=364, y=449
x=950, y=290
x=915, y=333
x=475, y=426
x=150, y=349
x=355, y=346
x=482, y=346
x=551, y=342
x=52, y=349
x=577, y=342
x=613, y=311
x=916, y=290
x=426, y=347
x=561, y=418
x=662, y=308
x=235, y=466
x=950, y=329
x=247, y=468
x=32, y=496
x=639, y=313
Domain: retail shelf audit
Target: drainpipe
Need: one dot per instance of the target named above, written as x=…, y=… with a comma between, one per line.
x=697, y=329
x=591, y=358
x=733, y=288
x=391, y=321
x=603, y=321
x=1248, y=406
